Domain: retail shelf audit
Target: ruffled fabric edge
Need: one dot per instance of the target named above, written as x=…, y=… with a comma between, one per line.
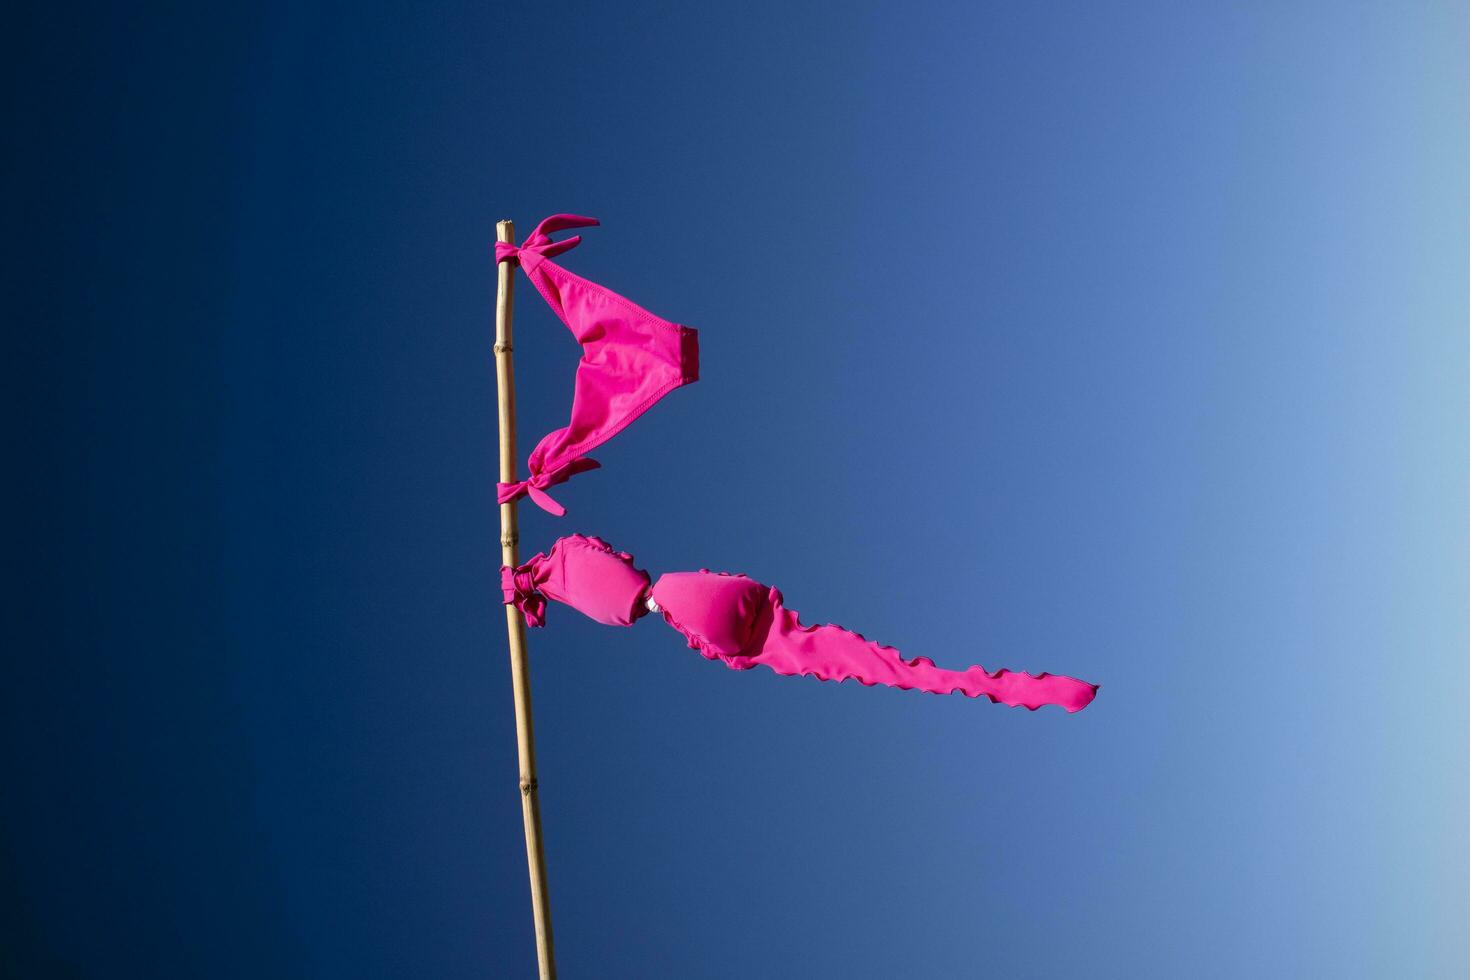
x=773, y=644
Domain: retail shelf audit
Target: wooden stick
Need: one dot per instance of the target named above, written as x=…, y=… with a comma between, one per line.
x=520, y=673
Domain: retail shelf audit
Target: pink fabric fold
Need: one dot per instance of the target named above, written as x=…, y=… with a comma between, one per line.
x=630, y=359
x=744, y=624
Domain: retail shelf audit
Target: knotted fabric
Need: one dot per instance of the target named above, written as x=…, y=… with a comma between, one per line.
x=535, y=487
x=744, y=624
x=519, y=588
x=630, y=359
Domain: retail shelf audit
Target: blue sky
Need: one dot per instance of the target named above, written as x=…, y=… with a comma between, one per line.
x=1121, y=341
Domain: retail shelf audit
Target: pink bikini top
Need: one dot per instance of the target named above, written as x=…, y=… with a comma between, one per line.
x=630, y=359
x=745, y=624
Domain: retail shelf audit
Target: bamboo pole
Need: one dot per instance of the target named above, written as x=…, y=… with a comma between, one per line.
x=520, y=673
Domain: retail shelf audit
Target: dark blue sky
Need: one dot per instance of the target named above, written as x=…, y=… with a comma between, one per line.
x=1121, y=341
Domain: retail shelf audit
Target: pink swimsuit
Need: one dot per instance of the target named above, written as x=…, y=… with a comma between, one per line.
x=631, y=359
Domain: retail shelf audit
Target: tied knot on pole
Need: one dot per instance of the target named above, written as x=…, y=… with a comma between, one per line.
x=535, y=486
x=538, y=245
x=519, y=588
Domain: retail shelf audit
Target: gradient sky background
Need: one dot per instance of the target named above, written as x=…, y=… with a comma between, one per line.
x=1122, y=341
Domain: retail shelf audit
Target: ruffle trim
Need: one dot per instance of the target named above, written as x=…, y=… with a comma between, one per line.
x=778, y=611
